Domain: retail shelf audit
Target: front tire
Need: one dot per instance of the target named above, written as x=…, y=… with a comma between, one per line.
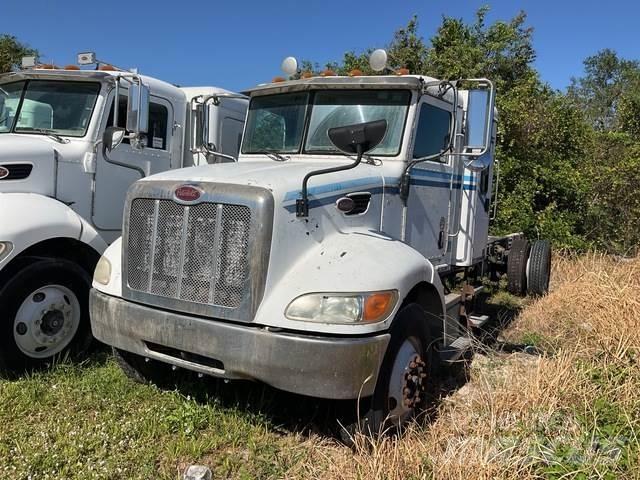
x=45, y=315
x=144, y=370
x=406, y=377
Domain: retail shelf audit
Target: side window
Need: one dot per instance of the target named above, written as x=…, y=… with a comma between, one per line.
x=158, y=118
x=433, y=131
x=122, y=116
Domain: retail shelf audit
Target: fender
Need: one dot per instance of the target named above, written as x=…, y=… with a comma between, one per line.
x=30, y=218
x=357, y=261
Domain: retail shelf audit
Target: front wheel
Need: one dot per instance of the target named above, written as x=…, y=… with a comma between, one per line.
x=144, y=370
x=45, y=314
x=406, y=377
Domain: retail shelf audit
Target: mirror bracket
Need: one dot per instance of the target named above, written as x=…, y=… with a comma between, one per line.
x=351, y=139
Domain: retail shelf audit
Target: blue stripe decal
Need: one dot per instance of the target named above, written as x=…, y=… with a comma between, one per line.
x=333, y=187
x=374, y=187
x=320, y=202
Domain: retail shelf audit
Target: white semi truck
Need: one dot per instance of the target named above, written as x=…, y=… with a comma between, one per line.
x=318, y=264
x=63, y=184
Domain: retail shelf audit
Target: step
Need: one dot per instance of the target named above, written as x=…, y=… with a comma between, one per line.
x=455, y=350
x=478, y=320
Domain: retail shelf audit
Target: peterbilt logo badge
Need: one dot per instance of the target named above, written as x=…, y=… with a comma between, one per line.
x=187, y=193
x=4, y=173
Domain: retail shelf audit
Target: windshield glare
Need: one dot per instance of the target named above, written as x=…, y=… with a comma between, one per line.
x=38, y=106
x=276, y=123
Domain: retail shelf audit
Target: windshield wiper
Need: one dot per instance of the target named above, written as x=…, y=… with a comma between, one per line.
x=49, y=133
x=273, y=154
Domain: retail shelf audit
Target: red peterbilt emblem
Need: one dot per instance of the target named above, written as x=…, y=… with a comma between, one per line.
x=187, y=193
x=3, y=173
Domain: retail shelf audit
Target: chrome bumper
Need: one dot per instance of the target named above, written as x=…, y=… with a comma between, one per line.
x=326, y=367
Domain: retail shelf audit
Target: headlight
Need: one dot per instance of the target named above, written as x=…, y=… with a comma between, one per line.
x=367, y=307
x=5, y=249
x=102, y=274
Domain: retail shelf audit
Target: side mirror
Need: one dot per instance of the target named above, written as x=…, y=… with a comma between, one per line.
x=480, y=113
x=112, y=137
x=359, y=138
x=138, y=109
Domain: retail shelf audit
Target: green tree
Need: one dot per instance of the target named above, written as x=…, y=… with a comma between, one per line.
x=12, y=51
x=609, y=83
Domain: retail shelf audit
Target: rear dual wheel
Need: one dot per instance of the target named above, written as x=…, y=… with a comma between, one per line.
x=529, y=267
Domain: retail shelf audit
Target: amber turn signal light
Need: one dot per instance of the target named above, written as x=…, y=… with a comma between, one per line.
x=378, y=305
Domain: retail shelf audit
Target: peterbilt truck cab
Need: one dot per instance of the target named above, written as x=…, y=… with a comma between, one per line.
x=318, y=263
x=68, y=154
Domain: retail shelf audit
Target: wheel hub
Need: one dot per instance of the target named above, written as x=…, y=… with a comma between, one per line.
x=52, y=322
x=414, y=384
x=46, y=321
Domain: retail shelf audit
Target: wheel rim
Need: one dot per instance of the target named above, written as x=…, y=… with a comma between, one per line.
x=46, y=321
x=407, y=382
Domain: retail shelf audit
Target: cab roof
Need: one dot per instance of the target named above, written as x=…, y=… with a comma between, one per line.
x=158, y=87
x=406, y=82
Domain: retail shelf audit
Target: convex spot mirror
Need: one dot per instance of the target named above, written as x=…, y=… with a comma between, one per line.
x=112, y=137
x=138, y=109
x=359, y=138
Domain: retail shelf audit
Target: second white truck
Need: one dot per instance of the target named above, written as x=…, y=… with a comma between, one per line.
x=68, y=153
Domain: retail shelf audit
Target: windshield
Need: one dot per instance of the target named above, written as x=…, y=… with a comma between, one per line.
x=46, y=106
x=279, y=123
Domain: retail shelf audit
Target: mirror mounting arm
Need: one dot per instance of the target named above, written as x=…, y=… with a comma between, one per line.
x=359, y=139
x=302, y=204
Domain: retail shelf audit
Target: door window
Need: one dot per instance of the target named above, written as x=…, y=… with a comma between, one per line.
x=158, y=122
x=432, y=135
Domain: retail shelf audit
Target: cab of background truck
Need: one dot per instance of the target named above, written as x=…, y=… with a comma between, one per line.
x=64, y=178
x=351, y=198
x=52, y=122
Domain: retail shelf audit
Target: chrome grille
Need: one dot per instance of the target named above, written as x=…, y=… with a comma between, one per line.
x=194, y=253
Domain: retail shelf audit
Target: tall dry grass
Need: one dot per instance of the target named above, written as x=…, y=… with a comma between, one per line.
x=571, y=413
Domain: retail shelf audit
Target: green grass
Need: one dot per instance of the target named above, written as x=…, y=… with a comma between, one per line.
x=89, y=421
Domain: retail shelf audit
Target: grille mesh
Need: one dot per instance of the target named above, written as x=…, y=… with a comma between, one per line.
x=194, y=253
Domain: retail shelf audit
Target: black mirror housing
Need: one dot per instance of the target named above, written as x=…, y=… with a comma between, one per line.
x=112, y=137
x=359, y=138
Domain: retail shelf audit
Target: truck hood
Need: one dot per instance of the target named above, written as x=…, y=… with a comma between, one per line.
x=31, y=163
x=283, y=179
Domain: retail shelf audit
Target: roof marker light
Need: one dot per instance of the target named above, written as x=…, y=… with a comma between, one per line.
x=307, y=74
x=328, y=73
x=289, y=66
x=355, y=73
x=278, y=80
x=403, y=71
x=29, y=62
x=86, y=58
x=71, y=67
x=107, y=68
x=378, y=60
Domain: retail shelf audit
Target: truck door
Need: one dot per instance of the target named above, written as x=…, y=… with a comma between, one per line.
x=112, y=181
x=431, y=182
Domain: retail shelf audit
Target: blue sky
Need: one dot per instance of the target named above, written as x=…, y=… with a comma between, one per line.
x=237, y=44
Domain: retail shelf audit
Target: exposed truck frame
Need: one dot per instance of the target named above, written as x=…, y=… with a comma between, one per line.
x=62, y=191
x=317, y=264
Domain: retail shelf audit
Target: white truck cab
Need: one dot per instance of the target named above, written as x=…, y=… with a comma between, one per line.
x=317, y=264
x=62, y=191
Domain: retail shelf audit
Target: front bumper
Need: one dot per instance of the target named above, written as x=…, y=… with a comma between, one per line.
x=326, y=367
